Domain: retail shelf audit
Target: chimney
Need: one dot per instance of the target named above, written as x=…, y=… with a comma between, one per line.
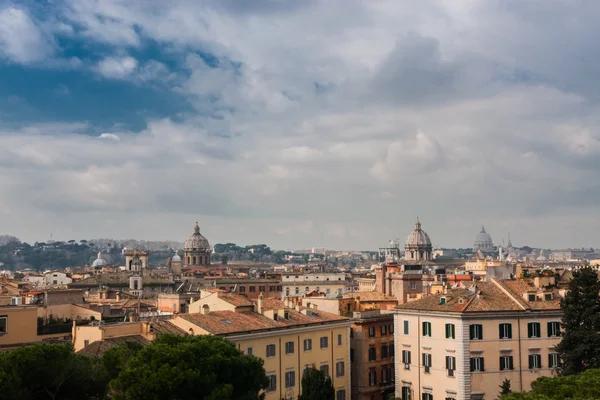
x=298, y=307
x=259, y=304
x=205, y=309
x=445, y=290
x=314, y=307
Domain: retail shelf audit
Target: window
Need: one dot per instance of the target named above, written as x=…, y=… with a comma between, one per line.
x=475, y=331
x=477, y=364
x=340, y=340
x=391, y=329
x=290, y=379
x=242, y=289
x=553, y=360
x=372, y=354
x=548, y=296
x=506, y=363
x=351, y=333
x=55, y=282
x=272, y=383
x=383, y=329
x=3, y=324
x=535, y=361
x=426, y=396
x=384, y=374
x=505, y=331
x=531, y=297
x=86, y=343
x=289, y=347
x=450, y=333
x=533, y=330
x=252, y=289
x=297, y=290
x=351, y=355
x=427, y=329
x=406, y=393
x=384, y=351
x=287, y=291
x=413, y=285
x=340, y=395
x=553, y=329
x=372, y=377
x=426, y=362
x=371, y=331
x=307, y=344
x=270, y=350
x=325, y=369
x=271, y=288
x=339, y=369
x=391, y=350
x=261, y=289
x=250, y=351
x=406, y=359
x=406, y=326
x=450, y=365
x=324, y=342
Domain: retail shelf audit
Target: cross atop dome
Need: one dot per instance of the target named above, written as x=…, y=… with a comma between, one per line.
x=197, y=228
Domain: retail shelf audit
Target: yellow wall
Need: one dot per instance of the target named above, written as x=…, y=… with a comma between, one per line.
x=213, y=302
x=282, y=363
x=71, y=311
x=22, y=325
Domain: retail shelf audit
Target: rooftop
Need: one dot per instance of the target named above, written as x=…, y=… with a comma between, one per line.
x=99, y=347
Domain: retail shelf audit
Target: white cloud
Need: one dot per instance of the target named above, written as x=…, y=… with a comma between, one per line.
x=21, y=40
x=117, y=67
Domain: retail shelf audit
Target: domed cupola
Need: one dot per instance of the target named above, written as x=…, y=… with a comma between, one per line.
x=99, y=261
x=418, y=245
x=483, y=242
x=197, y=250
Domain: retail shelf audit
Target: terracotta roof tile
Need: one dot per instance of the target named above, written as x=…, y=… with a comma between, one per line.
x=99, y=347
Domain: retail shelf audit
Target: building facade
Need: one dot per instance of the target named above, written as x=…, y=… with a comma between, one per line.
x=463, y=343
x=197, y=250
x=372, y=355
x=296, y=284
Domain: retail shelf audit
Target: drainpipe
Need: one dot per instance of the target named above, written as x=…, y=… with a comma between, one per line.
x=520, y=355
x=418, y=354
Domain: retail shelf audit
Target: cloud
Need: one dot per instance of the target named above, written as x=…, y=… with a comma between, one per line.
x=481, y=111
x=21, y=39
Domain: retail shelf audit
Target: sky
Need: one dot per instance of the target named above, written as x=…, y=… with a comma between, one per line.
x=301, y=123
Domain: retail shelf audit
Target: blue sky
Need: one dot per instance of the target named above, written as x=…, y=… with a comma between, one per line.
x=290, y=124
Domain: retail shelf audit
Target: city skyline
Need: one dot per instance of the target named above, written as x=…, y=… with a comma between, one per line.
x=285, y=124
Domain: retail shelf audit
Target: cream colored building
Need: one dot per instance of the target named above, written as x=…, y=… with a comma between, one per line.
x=463, y=343
x=295, y=284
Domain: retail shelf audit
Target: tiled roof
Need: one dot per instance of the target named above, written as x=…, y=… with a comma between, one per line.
x=99, y=347
x=235, y=299
x=519, y=287
x=487, y=297
x=230, y=322
x=272, y=304
x=160, y=327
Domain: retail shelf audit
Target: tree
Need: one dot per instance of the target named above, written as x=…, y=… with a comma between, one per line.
x=584, y=386
x=579, y=348
x=50, y=371
x=190, y=367
x=114, y=360
x=505, y=387
x=316, y=386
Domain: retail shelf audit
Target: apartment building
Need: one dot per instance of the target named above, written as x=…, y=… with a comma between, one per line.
x=372, y=355
x=289, y=340
x=295, y=284
x=462, y=343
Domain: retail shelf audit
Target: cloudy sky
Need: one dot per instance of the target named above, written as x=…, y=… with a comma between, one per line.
x=301, y=123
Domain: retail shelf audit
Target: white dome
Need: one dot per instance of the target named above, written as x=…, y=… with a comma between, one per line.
x=176, y=257
x=483, y=241
x=197, y=241
x=418, y=237
x=99, y=261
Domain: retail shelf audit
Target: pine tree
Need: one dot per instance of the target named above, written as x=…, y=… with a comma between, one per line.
x=579, y=348
x=316, y=386
x=505, y=387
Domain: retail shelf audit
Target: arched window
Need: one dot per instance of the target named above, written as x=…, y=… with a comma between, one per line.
x=135, y=285
x=421, y=254
x=194, y=260
x=188, y=260
x=130, y=264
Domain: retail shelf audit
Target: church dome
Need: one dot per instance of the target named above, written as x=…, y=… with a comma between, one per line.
x=176, y=257
x=418, y=237
x=99, y=261
x=197, y=241
x=483, y=241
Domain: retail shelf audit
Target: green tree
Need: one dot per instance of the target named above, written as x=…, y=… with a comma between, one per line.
x=50, y=371
x=505, y=387
x=190, y=367
x=579, y=348
x=585, y=386
x=316, y=386
x=115, y=359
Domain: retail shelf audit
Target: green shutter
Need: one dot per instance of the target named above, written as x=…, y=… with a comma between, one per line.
x=529, y=329
x=453, y=332
x=500, y=331
x=471, y=332
x=482, y=364
x=510, y=331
